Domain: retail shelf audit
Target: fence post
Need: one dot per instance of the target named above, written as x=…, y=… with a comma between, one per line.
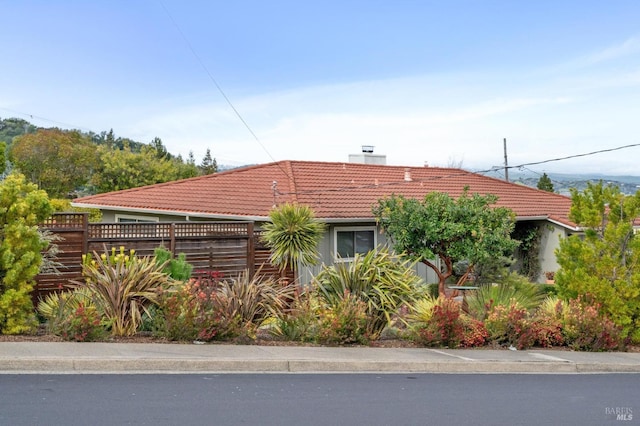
x=251, y=249
x=172, y=239
x=85, y=233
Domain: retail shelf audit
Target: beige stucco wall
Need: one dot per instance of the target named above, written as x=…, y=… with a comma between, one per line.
x=549, y=242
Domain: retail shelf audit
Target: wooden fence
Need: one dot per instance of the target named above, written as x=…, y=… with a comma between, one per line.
x=227, y=248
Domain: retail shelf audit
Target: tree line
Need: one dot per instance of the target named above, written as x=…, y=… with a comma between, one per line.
x=70, y=163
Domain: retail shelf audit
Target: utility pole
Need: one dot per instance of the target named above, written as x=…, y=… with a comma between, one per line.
x=506, y=163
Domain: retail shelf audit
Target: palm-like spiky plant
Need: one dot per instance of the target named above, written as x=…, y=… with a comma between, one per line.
x=123, y=287
x=380, y=279
x=514, y=290
x=253, y=299
x=293, y=236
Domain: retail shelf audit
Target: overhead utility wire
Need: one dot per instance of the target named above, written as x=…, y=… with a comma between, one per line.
x=45, y=119
x=403, y=182
x=535, y=163
x=215, y=83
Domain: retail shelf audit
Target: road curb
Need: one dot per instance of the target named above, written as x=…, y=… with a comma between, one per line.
x=199, y=365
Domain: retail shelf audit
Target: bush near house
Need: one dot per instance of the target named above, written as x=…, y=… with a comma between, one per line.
x=383, y=281
x=602, y=265
x=501, y=318
x=22, y=207
x=217, y=310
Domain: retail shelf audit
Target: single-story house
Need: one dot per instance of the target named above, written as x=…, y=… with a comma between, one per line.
x=341, y=194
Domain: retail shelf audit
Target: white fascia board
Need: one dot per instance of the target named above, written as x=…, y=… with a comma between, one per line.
x=186, y=214
x=555, y=222
x=348, y=220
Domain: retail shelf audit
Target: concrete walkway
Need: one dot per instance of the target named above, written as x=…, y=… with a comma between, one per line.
x=90, y=358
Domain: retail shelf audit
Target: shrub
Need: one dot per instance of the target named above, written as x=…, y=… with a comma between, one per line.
x=177, y=268
x=443, y=327
x=123, y=286
x=381, y=280
x=421, y=310
x=175, y=317
x=300, y=322
x=549, y=289
x=506, y=323
x=253, y=299
x=344, y=322
x=515, y=289
x=22, y=207
x=83, y=325
x=586, y=328
x=545, y=328
x=73, y=316
x=474, y=333
x=551, y=307
x=544, y=332
x=215, y=321
x=207, y=310
x=194, y=310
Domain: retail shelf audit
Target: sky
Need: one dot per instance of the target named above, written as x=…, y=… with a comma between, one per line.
x=438, y=83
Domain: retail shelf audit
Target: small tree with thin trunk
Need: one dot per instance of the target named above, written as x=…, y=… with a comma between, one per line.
x=293, y=236
x=469, y=229
x=545, y=184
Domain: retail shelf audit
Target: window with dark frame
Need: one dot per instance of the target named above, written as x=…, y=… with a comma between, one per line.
x=350, y=243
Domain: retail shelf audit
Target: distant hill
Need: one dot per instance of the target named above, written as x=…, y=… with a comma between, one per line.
x=10, y=128
x=562, y=182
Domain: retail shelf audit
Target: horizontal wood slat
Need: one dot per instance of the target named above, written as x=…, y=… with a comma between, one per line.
x=224, y=248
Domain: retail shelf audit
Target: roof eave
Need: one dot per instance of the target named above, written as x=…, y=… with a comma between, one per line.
x=347, y=219
x=186, y=214
x=549, y=219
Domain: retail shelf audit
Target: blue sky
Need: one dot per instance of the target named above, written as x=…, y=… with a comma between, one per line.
x=425, y=82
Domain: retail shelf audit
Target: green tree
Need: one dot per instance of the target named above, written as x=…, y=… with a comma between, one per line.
x=161, y=150
x=123, y=169
x=209, y=164
x=604, y=264
x=3, y=157
x=63, y=205
x=468, y=229
x=57, y=161
x=191, y=159
x=545, y=184
x=12, y=127
x=293, y=236
x=22, y=207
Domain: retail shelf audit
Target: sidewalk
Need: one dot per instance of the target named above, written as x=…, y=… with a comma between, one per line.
x=105, y=358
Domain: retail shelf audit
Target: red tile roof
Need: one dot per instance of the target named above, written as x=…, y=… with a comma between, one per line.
x=336, y=191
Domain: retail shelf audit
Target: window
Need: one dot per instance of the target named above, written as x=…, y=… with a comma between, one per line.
x=130, y=226
x=352, y=241
x=120, y=218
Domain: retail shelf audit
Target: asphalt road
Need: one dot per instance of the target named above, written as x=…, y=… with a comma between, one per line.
x=320, y=399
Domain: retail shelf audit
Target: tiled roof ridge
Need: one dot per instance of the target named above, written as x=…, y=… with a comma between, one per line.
x=529, y=188
x=290, y=172
x=454, y=172
x=173, y=182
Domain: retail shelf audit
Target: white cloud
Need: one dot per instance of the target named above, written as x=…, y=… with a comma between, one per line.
x=629, y=47
x=437, y=118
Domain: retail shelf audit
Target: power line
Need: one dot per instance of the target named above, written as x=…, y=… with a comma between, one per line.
x=71, y=126
x=218, y=87
x=451, y=175
x=535, y=163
